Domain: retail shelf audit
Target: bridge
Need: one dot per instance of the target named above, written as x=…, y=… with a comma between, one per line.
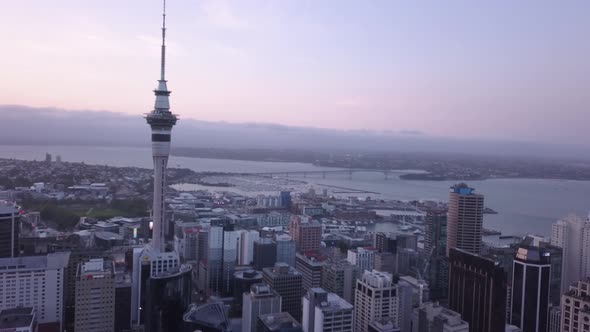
x=324, y=173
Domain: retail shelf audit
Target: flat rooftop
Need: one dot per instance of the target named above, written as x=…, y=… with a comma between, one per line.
x=14, y=318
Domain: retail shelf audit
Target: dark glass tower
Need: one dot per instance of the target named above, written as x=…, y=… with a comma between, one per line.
x=169, y=296
x=265, y=253
x=530, y=289
x=477, y=290
x=9, y=229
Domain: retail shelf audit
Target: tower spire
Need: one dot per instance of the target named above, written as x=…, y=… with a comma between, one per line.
x=163, y=56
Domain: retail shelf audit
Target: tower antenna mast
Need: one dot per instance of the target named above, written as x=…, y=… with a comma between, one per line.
x=163, y=56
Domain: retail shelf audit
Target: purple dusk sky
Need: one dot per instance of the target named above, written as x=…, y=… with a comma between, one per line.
x=493, y=69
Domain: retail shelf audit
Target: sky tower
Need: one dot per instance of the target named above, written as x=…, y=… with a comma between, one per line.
x=161, y=121
x=152, y=262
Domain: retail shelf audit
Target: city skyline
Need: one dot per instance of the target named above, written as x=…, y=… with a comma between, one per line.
x=506, y=70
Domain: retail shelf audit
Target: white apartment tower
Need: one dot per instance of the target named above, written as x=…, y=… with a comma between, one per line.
x=37, y=282
x=572, y=234
x=375, y=298
x=575, y=304
x=247, y=238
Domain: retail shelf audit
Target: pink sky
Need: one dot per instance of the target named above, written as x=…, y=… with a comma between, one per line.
x=462, y=69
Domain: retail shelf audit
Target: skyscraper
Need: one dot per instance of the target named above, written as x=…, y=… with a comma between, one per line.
x=288, y=283
x=477, y=290
x=9, y=229
x=375, y=298
x=247, y=246
x=363, y=258
x=286, y=249
x=435, y=254
x=339, y=277
x=260, y=300
x=310, y=266
x=38, y=282
x=307, y=233
x=530, y=289
x=384, y=243
x=95, y=296
x=575, y=315
x=572, y=234
x=265, y=253
x=464, y=219
x=325, y=312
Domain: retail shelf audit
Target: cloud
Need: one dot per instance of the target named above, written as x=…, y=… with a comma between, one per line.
x=219, y=13
x=353, y=102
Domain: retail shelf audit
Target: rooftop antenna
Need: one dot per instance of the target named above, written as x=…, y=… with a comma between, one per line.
x=163, y=64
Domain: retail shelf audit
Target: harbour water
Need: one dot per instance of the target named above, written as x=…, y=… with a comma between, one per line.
x=524, y=206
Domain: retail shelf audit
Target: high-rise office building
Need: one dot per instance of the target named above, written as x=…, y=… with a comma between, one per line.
x=76, y=257
x=375, y=298
x=553, y=252
x=95, y=296
x=554, y=319
x=37, y=282
x=122, y=302
x=243, y=280
x=384, y=243
x=386, y=262
x=572, y=234
x=286, y=249
x=310, y=266
x=477, y=290
x=464, y=219
x=265, y=253
x=231, y=245
x=9, y=229
x=339, y=277
x=288, y=283
x=432, y=317
x=169, y=296
x=530, y=289
x=411, y=293
x=575, y=304
x=325, y=312
x=435, y=233
x=307, y=233
x=247, y=246
x=363, y=258
x=260, y=300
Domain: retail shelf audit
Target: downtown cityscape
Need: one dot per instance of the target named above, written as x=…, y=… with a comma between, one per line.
x=284, y=239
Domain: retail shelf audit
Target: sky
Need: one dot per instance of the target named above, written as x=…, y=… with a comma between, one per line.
x=507, y=70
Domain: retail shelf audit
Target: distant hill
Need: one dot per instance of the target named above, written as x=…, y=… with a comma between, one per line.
x=51, y=126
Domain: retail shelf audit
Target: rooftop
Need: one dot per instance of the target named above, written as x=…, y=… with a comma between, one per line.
x=51, y=261
x=335, y=303
x=280, y=268
x=8, y=207
x=277, y=321
x=14, y=318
